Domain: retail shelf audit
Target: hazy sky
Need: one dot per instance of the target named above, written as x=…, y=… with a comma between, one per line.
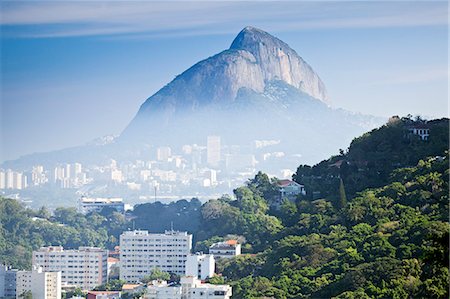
x=74, y=71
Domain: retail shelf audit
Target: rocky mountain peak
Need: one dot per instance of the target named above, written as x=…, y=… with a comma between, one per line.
x=278, y=61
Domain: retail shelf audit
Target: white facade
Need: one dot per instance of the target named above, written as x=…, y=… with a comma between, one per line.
x=290, y=189
x=87, y=204
x=423, y=133
x=141, y=252
x=85, y=268
x=201, y=266
x=227, y=249
x=7, y=282
x=2, y=179
x=163, y=153
x=213, y=150
x=13, y=180
x=189, y=288
x=41, y=284
x=192, y=288
x=161, y=290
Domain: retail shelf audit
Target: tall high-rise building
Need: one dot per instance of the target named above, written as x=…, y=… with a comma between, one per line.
x=9, y=179
x=76, y=169
x=2, y=179
x=213, y=150
x=7, y=282
x=38, y=176
x=85, y=268
x=59, y=174
x=42, y=284
x=141, y=252
x=199, y=265
x=67, y=172
x=163, y=153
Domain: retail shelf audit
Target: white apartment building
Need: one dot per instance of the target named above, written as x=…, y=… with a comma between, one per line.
x=85, y=268
x=193, y=288
x=141, y=252
x=213, y=150
x=200, y=265
x=10, y=179
x=159, y=289
x=41, y=284
x=189, y=288
x=88, y=204
x=227, y=249
x=2, y=179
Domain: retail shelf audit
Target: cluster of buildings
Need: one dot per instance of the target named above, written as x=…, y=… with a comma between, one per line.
x=56, y=269
x=191, y=170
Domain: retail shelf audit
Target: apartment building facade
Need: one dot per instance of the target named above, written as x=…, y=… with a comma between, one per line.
x=141, y=252
x=85, y=267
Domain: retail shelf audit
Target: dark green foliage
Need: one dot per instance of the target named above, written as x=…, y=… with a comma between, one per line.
x=384, y=234
x=157, y=217
x=156, y=274
x=371, y=158
x=113, y=285
x=342, y=195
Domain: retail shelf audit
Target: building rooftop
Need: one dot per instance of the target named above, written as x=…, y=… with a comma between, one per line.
x=226, y=244
x=80, y=249
x=146, y=233
x=99, y=200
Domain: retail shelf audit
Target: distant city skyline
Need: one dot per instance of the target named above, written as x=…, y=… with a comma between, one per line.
x=75, y=71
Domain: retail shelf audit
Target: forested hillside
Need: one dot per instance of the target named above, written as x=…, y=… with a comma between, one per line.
x=374, y=224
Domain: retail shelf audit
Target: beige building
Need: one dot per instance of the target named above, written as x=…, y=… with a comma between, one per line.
x=42, y=285
x=85, y=268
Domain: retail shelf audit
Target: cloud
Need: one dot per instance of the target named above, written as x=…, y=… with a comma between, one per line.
x=150, y=18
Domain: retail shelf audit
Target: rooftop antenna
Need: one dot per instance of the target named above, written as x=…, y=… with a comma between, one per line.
x=171, y=225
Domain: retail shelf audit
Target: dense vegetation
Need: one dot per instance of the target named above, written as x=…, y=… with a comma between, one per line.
x=374, y=224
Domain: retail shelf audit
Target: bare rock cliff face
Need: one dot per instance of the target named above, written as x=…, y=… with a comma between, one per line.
x=278, y=61
x=254, y=59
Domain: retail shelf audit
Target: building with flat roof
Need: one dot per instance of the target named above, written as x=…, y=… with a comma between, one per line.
x=88, y=204
x=189, y=288
x=7, y=282
x=141, y=252
x=85, y=267
x=200, y=265
x=41, y=284
x=227, y=249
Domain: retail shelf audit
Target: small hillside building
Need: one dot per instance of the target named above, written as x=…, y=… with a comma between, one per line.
x=290, y=189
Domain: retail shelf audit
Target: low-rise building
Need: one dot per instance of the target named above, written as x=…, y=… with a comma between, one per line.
x=85, y=267
x=421, y=131
x=200, y=265
x=160, y=289
x=41, y=284
x=193, y=288
x=290, y=189
x=227, y=249
x=189, y=288
x=141, y=252
x=103, y=295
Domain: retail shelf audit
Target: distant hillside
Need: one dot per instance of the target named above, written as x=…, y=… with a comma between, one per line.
x=371, y=158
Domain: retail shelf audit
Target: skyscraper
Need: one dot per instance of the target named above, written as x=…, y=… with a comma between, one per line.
x=213, y=150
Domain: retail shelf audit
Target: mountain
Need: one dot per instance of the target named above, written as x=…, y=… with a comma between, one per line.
x=258, y=81
x=258, y=89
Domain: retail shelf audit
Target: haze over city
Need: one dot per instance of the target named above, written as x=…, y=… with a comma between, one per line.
x=70, y=76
